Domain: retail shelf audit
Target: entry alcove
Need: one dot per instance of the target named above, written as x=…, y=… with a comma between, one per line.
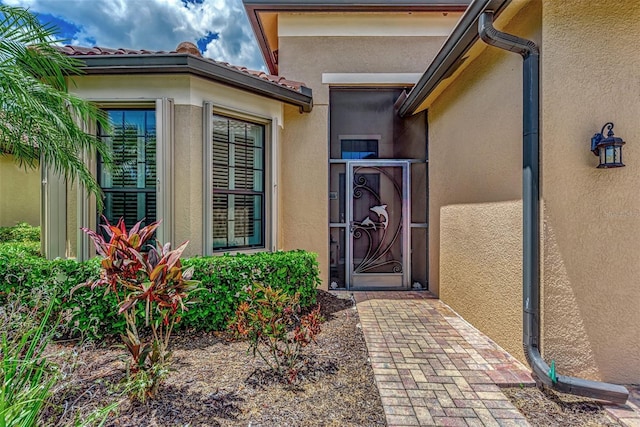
x=378, y=192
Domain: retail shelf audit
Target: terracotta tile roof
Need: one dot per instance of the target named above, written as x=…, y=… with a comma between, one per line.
x=183, y=48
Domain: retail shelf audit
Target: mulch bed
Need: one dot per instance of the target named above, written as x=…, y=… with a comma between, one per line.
x=216, y=383
x=549, y=408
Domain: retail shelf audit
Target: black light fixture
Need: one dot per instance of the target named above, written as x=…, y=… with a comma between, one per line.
x=608, y=149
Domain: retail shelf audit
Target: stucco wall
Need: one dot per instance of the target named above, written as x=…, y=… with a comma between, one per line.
x=19, y=193
x=188, y=179
x=305, y=145
x=306, y=58
x=591, y=260
x=303, y=186
x=475, y=190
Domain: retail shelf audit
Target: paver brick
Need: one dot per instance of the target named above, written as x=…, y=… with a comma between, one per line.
x=469, y=403
x=430, y=386
x=385, y=371
x=506, y=413
x=474, y=422
x=459, y=412
x=402, y=420
x=398, y=410
x=513, y=423
x=491, y=395
x=395, y=401
x=388, y=378
x=454, y=391
x=485, y=416
x=499, y=404
x=426, y=394
x=389, y=384
x=432, y=367
x=630, y=422
x=450, y=421
x=393, y=392
x=418, y=375
x=485, y=387
x=424, y=416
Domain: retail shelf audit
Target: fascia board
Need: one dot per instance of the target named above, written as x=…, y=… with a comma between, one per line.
x=188, y=64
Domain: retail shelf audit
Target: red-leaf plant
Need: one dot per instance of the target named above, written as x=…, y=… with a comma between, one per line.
x=152, y=278
x=270, y=320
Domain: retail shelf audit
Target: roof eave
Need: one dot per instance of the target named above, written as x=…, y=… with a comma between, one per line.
x=355, y=5
x=452, y=53
x=189, y=64
x=255, y=7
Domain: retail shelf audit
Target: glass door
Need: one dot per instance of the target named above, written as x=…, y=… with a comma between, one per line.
x=377, y=205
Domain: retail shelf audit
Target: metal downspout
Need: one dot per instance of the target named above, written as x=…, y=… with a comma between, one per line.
x=531, y=221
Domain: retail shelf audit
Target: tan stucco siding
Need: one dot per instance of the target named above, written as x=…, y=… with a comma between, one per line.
x=591, y=262
x=475, y=191
x=304, y=185
x=306, y=58
x=188, y=178
x=19, y=193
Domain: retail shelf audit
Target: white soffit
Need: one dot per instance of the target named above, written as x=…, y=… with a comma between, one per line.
x=366, y=24
x=370, y=78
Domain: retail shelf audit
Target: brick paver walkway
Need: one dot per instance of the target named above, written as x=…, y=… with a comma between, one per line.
x=629, y=414
x=434, y=369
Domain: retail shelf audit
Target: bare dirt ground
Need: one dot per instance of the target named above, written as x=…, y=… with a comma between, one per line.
x=215, y=382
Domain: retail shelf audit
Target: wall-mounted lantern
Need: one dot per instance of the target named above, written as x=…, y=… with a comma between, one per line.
x=608, y=149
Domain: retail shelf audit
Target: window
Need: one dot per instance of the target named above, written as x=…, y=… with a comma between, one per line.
x=354, y=149
x=238, y=183
x=130, y=189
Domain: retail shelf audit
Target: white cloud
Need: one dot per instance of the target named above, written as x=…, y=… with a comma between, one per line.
x=157, y=25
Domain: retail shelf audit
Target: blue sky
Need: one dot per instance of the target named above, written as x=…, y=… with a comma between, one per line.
x=220, y=28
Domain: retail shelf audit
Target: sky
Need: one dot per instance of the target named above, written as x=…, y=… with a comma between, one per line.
x=219, y=28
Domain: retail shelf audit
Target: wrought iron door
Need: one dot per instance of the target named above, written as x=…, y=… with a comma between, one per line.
x=377, y=210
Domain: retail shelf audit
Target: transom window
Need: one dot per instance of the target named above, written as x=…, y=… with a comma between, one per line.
x=130, y=189
x=355, y=149
x=238, y=184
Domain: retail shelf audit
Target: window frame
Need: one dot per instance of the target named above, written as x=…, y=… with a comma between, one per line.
x=269, y=213
x=165, y=139
x=137, y=190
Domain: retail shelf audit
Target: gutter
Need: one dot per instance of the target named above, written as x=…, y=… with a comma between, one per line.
x=189, y=64
x=452, y=53
x=531, y=221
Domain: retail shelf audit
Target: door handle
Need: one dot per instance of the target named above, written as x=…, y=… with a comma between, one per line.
x=352, y=227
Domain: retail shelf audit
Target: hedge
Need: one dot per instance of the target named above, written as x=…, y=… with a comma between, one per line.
x=92, y=314
x=21, y=232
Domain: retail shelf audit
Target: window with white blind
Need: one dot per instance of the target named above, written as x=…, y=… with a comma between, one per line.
x=130, y=188
x=238, y=184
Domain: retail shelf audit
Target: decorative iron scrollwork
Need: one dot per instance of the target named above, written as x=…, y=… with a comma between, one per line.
x=379, y=229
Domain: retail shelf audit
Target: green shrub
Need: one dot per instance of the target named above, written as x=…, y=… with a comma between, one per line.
x=20, y=249
x=21, y=232
x=84, y=314
x=88, y=314
x=227, y=278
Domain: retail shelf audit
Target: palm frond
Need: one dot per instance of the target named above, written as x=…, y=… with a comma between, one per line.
x=40, y=121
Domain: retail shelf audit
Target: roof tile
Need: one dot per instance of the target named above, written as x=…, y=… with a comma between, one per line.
x=183, y=48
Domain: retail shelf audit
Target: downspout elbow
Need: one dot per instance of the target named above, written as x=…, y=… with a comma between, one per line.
x=491, y=36
x=531, y=221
